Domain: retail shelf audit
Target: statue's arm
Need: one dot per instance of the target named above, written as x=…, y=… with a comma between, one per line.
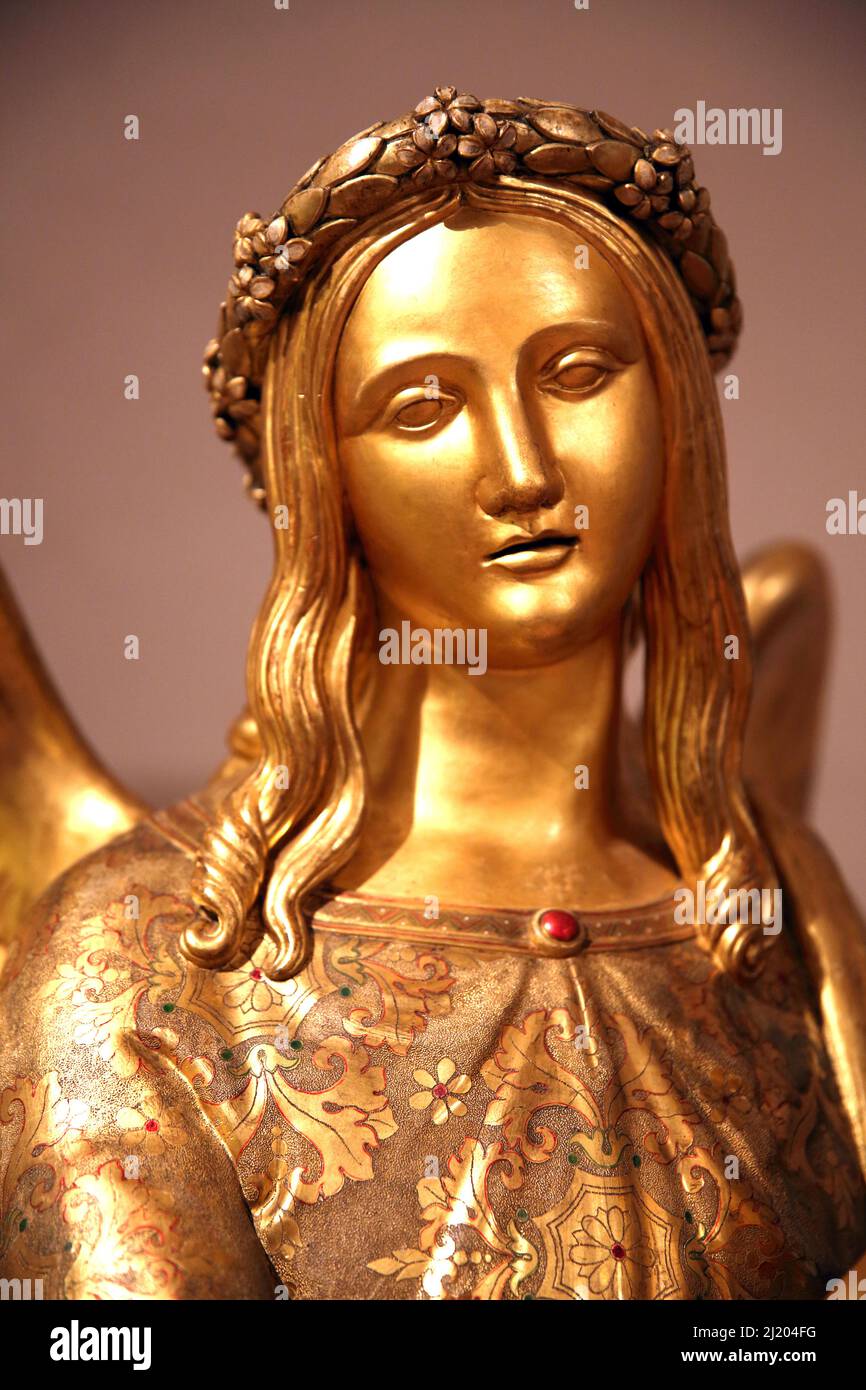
x=112, y=1184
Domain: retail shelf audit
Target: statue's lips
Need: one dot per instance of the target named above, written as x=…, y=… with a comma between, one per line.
x=545, y=551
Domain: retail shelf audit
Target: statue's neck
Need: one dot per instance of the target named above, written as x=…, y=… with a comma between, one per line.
x=476, y=793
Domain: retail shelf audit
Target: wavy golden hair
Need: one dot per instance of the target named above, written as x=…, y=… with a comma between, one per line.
x=295, y=817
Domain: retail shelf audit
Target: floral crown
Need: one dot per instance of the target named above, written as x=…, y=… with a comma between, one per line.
x=453, y=137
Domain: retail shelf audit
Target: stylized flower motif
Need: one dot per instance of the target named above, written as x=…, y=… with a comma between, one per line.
x=254, y=993
x=262, y=251
x=83, y=982
x=251, y=292
x=448, y=107
x=154, y=1125
x=287, y=254
x=250, y=242
x=612, y=1252
x=426, y=155
x=230, y=398
x=723, y=1097
x=489, y=147
x=442, y=1091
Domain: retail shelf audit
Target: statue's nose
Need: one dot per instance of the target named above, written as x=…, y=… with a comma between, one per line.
x=518, y=474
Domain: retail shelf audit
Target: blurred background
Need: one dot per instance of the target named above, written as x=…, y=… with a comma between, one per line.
x=115, y=256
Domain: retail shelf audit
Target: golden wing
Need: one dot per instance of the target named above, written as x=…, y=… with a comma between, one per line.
x=787, y=595
x=788, y=602
x=788, y=605
x=57, y=803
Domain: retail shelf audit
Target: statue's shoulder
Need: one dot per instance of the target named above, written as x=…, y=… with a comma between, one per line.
x=52, y=926
x=152, y=862
x=101, y=1134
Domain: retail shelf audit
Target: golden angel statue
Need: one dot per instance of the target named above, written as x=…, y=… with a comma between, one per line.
x=455, y=981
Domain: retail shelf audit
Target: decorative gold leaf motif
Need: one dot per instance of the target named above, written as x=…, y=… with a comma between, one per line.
x=525, y=1077
x=405, y=1001
x=461, y=1199
x=612, y=158
x=643, y=1082
x=566, y=123
x=557, y=159
x=114, y=970
x=350, y=159
x=362, y=195
x=403, y=1264
x=49, y=1138
x=129, y=1244
x=604, y=1147
x=305, y=208
x=343, y=1123
x=273, y=1202
x=715, y=1247
x=611, y=126
x=346, y=1136
x=698, y=274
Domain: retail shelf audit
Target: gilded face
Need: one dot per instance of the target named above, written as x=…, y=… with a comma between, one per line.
x=500, y=434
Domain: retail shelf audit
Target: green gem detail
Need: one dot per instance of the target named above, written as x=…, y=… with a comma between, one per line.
x=345, y=991
x=529, y=1298
x=22, y=1225
x=522, y=1214
x=572, y=1158
x=168, y=1008
x=635, y=1158
x=296, y=1044
x=226, y=1054
x=68, y=1245
x=689, y=1217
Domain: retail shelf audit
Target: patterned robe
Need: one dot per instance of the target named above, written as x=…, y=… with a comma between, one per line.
x=430, y=1109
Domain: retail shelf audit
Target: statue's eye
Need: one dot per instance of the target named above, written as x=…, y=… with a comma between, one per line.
x=418, y=414
x=581, y=376
x=420, y=409
x=577, y=374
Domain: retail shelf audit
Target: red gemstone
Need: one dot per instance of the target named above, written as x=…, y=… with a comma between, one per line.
x=618, y=1251
x=256, y=974
x=559, y=925
x=151, y=1126
x=440, y=1091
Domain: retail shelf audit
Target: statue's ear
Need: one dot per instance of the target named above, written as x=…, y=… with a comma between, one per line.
x=57, y=803
x=788, y=603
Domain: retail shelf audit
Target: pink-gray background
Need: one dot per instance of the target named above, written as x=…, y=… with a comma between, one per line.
x=115, y=256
